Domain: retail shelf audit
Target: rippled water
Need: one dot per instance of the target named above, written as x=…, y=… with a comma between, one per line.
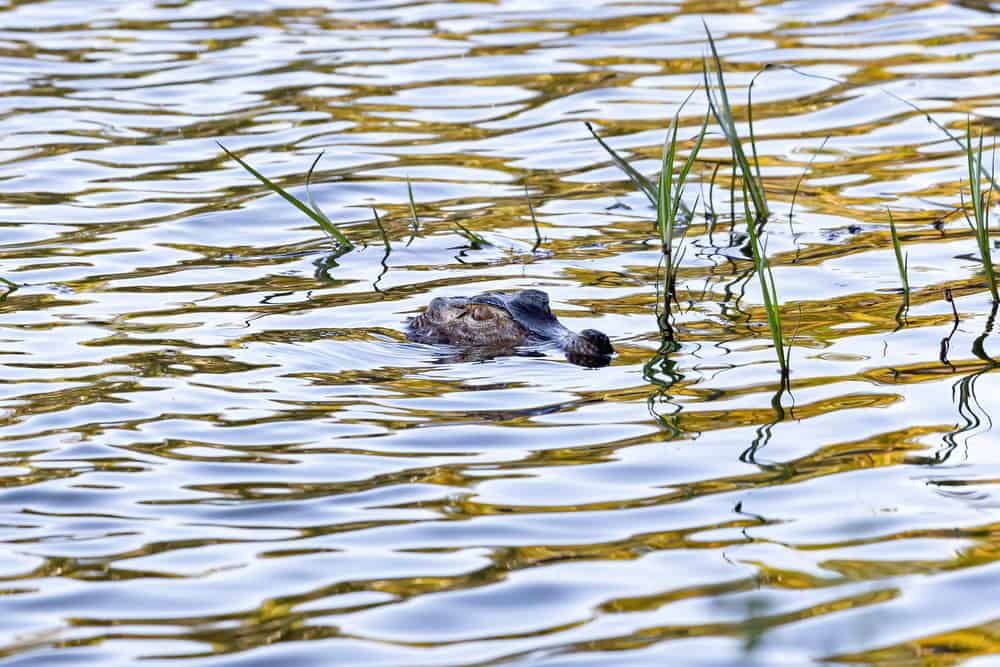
x=219, y=449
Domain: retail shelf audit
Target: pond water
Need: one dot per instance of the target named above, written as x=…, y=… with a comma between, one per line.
x=218, y=447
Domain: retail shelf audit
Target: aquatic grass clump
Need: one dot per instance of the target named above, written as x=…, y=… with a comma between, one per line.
x=980, y=223
x=645, y=185
x=752, y=185
x=315, y=213
x=668, y=191
x=666, y=195
x=312, y=211
x=668, y=205
x=719, y=107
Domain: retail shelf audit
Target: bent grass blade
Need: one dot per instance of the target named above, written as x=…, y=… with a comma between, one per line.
x=314, y=214
x=534, y=220
x=474, y=239
x=644, y=184
x=413, y=207
x=381, y=231
x=901, y=260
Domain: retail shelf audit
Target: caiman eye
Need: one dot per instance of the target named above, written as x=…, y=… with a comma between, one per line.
x=481, y=313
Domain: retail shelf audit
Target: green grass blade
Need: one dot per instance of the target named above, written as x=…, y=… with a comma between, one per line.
x=723, y=113
x=413, y=207
x=534, y=220
x=987, y=258
x=381, y=230
x=802, y=176
x=767, y=287
x=728, y=130
x=309, y=198
x=686, y=169
x=975, y=187
x=316, y=217
x=475, y=239
x=723, y=94
x=664, y=213
x=901, y=263
x=753, y=139
x=980, y=207
x=644, y=184
x=932, y=121
x=678, y=204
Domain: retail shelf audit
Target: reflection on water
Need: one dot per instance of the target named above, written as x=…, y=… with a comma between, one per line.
x=219, y=449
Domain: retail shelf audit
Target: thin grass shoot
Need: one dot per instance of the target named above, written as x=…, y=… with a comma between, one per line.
x=669, y=192
x=981, y=201
x=413, y=207
x=765, y=276
x=534, y=220
x=314, y=213
x=645, y=185
x=718, y=104
x=381, y=231
x=802, y=176
x=930, y=119
x=902, y=261
x=474, y=239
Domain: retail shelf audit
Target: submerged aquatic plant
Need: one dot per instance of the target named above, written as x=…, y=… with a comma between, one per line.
x=980, y=222
x=312, y=211
x=719, y=107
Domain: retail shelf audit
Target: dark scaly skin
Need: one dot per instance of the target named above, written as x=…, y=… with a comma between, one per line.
x=504, y=321
x=457, y=321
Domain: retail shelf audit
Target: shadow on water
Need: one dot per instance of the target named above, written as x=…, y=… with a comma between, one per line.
x=975, y=418
x=661, y=371
x=764, y=432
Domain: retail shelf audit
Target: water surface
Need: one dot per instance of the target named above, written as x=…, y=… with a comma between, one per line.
x=219, y=449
